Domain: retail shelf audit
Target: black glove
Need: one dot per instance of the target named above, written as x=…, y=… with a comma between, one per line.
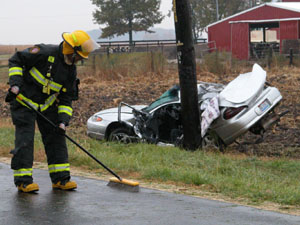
x=60, y=131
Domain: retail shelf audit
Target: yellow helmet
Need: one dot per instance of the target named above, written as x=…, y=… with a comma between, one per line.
x=80, y=42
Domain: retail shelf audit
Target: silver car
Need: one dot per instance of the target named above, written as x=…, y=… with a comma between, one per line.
x=118, y=123
x=246, y=104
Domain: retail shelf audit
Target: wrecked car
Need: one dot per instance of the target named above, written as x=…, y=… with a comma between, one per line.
x=227, y=112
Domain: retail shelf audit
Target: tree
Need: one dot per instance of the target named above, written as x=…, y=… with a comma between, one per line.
x=126, y=16
x=202, y=15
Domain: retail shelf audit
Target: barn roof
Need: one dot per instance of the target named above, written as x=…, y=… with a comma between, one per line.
x=264, y=21
x=292, y=6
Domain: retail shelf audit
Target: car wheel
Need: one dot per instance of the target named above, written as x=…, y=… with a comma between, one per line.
x=121, y=135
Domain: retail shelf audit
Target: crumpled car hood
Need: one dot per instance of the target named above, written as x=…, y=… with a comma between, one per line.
x=112, y=113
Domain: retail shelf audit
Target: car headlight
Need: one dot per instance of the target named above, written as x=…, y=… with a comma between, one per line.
x=96, y=118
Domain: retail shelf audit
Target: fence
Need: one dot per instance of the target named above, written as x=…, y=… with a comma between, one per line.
x=262, y=50
x=167, y=48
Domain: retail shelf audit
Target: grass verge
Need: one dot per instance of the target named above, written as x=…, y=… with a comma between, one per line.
x=256, y=180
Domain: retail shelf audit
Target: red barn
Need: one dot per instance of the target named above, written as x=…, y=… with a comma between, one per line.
x=266, y=23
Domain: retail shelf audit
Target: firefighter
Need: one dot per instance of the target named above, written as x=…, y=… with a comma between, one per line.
x=45, y=77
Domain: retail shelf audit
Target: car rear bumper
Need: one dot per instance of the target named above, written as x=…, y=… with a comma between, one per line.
x=229, y=130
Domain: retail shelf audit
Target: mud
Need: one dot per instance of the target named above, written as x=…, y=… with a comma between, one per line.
x=97, y=94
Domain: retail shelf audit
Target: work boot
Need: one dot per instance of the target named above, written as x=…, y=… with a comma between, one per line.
x=27, y=188
x=65, y=185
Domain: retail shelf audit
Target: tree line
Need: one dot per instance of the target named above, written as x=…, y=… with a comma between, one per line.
x=119, y=17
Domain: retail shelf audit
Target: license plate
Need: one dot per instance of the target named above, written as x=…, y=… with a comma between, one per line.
x=264, y=105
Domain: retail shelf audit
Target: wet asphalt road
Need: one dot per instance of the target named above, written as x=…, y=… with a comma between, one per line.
x=96, y=203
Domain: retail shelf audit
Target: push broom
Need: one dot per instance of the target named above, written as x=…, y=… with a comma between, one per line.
x=116, y=181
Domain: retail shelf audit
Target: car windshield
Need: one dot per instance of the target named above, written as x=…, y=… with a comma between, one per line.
x=169, y=96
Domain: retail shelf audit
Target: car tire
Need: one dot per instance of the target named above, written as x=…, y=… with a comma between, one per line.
x=121, y=135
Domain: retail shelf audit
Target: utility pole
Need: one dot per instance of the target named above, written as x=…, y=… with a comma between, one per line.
x=187, y=74
x=217, y=9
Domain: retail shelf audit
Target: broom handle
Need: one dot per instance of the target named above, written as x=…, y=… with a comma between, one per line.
x=74, y=142
x=93, y=157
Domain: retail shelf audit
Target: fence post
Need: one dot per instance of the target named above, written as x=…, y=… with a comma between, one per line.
x=162, y=58
x=107, y=52
x=94, y=63
x=152, y=61
x=291, y=56
x=217, y=58
x=269, y=57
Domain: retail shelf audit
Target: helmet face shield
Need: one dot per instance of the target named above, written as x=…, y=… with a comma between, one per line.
x=89, y=46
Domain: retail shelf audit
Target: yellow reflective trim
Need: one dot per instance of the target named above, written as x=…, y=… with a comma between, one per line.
x=64, y=89
x=49, y=101
x=57, y=165
x=15, y=68
x=65, y=109
x=74, y=38
x=15, y=71
x=31, y=103
x=54, y=168
x=37, y=76
x=51, y=59
x=43, y=81
x=23, y=172
x=55, y=86
x=59, y=170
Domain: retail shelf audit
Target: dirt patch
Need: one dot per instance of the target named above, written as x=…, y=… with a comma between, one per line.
x=97, y=94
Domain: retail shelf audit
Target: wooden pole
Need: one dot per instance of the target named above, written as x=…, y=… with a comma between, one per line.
x=291, y=56
x=187, y=74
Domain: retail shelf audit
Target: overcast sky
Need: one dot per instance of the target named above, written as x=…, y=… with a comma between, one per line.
x=43, y=21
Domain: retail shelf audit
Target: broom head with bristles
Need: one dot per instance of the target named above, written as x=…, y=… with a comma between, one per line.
x=124, y=184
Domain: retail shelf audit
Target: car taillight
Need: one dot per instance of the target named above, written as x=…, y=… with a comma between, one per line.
x=231, y=112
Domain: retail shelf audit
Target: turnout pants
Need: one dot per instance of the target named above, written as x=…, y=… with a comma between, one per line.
x=55, y=145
